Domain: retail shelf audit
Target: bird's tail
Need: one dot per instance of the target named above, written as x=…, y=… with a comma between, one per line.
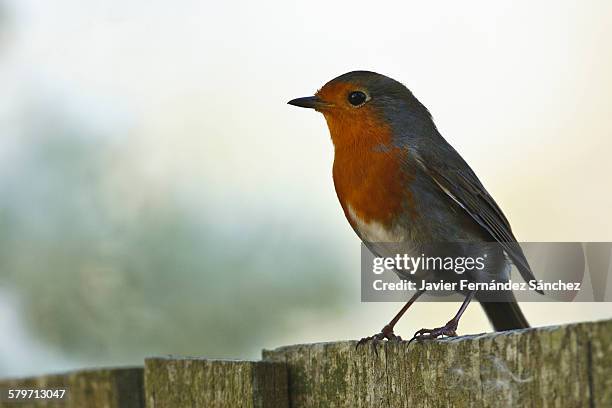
x=505, y=315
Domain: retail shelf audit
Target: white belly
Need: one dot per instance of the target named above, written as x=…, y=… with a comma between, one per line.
x=374, y=231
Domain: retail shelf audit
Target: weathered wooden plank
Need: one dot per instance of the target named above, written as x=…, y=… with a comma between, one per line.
x=561, y=366
x=190, y=382
x=99, y=388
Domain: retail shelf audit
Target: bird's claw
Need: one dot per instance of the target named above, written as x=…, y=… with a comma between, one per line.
x=449, y=330
x=385, y=334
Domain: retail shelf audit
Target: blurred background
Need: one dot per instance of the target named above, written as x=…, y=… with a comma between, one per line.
x=157, y=195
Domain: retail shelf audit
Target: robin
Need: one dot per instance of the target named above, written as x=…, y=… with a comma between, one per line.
x=398, y=180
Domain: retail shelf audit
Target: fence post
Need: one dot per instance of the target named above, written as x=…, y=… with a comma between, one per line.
x=192, y=382
x=95, y=388
x=562, y=366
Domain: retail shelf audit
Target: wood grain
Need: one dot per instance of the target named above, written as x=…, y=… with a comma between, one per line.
x=192, y=382
x=562, y=366
x=99, y=388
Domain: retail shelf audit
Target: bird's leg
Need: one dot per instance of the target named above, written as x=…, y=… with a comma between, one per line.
x=449, y=329
x=387, y=331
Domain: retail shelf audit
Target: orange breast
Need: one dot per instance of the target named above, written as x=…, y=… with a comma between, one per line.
x=368, y=174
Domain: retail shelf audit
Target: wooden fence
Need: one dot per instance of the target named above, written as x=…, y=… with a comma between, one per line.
x=561, y=366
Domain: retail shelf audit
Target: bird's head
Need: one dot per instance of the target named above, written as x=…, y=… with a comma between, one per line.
x=363, y=107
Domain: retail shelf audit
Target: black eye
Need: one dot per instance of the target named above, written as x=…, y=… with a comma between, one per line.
x=357, y=98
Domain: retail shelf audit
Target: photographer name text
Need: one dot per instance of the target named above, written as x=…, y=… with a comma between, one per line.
x=464, y=284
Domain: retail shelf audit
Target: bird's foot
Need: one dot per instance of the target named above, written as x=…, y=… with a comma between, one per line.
x=449, y=330
x=385, y=334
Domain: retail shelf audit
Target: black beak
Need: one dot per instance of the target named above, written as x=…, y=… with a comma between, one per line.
x=312, y=102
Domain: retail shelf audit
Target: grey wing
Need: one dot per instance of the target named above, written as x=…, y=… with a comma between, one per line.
x=457, y=180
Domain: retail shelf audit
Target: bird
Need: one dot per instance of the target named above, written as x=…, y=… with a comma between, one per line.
x=399, y=181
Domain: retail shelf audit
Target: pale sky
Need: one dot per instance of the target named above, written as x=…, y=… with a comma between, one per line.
x=520, y=89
